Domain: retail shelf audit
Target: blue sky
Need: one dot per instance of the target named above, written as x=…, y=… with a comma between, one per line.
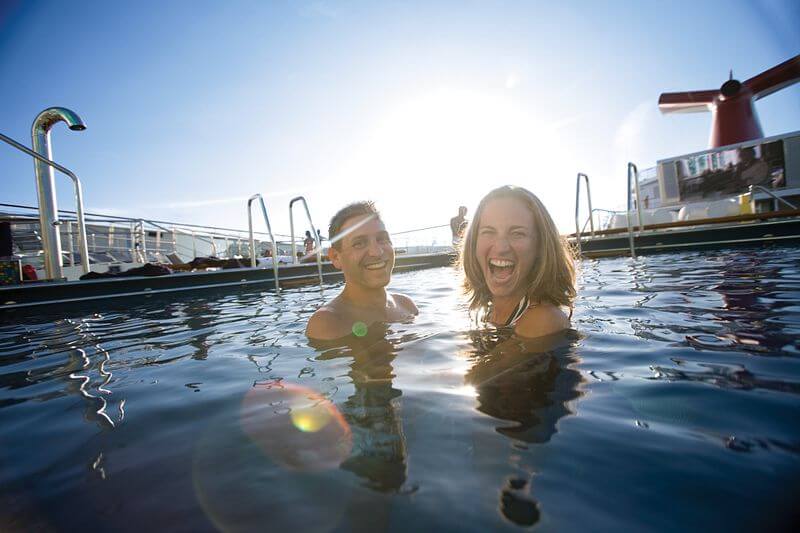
x=421, y=106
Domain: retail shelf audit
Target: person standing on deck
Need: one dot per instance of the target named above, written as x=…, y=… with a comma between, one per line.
x=458, y=224
x=308, y=243
x=362, y=250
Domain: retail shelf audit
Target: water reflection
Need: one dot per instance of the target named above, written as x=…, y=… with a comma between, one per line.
x=528, y=383
x=373, y=410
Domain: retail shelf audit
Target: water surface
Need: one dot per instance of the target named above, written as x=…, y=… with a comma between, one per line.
x=673, y=405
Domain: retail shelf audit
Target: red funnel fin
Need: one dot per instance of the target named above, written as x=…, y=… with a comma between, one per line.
x=775, y=79
x=687, y=102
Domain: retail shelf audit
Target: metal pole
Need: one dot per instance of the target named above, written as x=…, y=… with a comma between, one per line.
x=271, y=237
x=143, y=235
x=291, y=233
x=133, y=248
x=313, y=232
x=636, y=188
x=628, y=211
x=45, y=184
x=70, y=245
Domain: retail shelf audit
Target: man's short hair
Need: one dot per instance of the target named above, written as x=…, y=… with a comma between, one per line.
x=344, y=214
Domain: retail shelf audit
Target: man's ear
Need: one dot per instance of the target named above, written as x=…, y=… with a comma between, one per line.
x=333, y=255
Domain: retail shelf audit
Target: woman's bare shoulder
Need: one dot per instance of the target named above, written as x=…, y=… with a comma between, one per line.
x=540, y=320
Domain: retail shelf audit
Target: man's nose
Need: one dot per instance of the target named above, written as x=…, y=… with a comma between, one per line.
x=375, y=249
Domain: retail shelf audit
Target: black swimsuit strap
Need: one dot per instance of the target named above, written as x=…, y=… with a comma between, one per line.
x=518, y=312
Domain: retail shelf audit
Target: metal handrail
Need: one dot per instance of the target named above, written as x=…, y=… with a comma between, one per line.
x=318, y=247
x=578, y=205
x=770, y=193
x=271, y=237
x=82, y=242
x=635, y=176
x=149, y=221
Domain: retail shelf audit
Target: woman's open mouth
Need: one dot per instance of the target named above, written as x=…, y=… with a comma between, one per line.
x=501, y=269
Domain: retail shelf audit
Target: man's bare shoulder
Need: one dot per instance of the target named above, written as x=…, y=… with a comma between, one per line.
x=327, y=324
x=405, y=303
x=543, y=319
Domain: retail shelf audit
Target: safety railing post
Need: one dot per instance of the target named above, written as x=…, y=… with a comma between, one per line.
x=314, y=234
x=632, y=175
x=271, y=237
x=577, y=208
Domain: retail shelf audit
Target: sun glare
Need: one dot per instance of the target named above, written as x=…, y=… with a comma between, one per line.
x=453, y=144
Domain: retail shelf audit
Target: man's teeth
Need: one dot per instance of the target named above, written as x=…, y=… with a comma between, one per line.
x=376, y=266
x=501, y=263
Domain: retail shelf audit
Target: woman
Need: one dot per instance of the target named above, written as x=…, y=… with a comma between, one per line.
x=518, y=272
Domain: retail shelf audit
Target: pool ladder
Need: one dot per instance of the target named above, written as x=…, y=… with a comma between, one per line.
x=633, y=183
x=273, y=243
x=269, y=232
x=314, y=234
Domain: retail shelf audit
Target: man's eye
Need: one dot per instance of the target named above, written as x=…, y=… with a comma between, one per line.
x=358, y=244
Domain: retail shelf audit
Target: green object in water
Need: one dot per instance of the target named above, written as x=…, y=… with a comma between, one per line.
x=359, y=329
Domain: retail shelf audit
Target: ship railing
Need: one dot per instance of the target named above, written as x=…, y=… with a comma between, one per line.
x=114, y=239
x=633, y=174
x=578, y=205
x=76, y=182
x=776, y=199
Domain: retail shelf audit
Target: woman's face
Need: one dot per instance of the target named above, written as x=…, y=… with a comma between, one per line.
x=505, y=246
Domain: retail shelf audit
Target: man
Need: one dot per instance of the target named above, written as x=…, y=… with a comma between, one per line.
x=458, y=224
x=362, y=250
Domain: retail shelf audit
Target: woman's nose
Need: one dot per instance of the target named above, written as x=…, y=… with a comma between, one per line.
x=501, y=244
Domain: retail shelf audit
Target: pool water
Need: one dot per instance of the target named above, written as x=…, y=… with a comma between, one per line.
x=672, y=405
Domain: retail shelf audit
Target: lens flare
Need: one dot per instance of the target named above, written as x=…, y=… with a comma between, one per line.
x=359, y=329
x=310, y=419
x=296, y=427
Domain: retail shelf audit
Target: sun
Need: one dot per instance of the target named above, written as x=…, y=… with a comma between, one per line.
x=451, y=143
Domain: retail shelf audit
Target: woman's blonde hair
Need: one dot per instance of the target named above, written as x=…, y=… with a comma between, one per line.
x=552, y=277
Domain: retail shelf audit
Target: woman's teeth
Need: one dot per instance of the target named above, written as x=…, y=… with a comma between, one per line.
x=376, y=266
x=501, y=267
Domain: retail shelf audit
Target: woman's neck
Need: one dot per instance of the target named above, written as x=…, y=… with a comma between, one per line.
x=504, y=306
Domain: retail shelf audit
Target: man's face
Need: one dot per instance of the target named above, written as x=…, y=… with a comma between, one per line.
x=365, y=255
